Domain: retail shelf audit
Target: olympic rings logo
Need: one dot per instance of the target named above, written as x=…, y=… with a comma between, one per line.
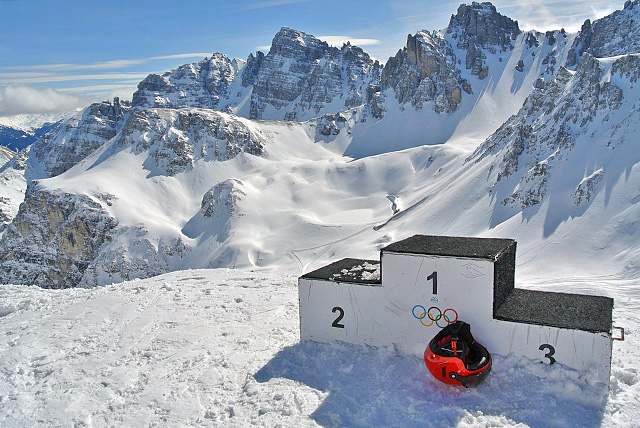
x=434, y=318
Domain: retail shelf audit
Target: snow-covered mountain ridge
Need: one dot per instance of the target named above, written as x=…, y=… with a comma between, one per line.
x=310, y=153
x=19, y=131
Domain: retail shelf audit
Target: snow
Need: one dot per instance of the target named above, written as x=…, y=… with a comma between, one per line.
x=12, y=187
x=29, y=123
x=302, y=205
x=6, y=154
x=220, y=348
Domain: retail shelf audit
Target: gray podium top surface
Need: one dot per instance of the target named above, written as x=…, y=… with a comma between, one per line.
x=563, y=310
x=450, y=246
x=348, y=270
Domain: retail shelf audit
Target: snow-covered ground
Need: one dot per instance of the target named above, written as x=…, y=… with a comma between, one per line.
x=221, y=348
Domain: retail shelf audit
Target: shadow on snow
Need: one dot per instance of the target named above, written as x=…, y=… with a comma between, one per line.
x=381, y=387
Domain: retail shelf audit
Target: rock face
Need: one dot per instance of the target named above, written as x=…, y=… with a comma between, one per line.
x=175, y=139
x=250, y=71
x=123, y=258
x=203, y=84
x=478, y=27
x=613, y=35
x=76, y=138
x=53, y=239
x=219, y=206
x=301, y=76
x=425, y=71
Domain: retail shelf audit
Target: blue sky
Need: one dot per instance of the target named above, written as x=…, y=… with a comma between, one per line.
x=57, y=55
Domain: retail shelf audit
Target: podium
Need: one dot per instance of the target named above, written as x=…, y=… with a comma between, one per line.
x=422, y=283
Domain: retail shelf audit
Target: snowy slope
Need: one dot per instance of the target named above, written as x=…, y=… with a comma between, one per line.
x=220, y=348
x=5, y=155
x=12, y=184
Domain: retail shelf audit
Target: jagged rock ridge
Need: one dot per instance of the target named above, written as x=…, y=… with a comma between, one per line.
x=613, y=35
x=175, y=139
x=478, y=27
x=76, y=138
x=425, y=71
x=203, y=84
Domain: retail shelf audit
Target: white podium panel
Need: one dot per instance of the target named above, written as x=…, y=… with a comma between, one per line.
x=468, y=279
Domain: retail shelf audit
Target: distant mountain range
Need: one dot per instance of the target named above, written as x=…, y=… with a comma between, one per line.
x=309, y=153
x=18, y=132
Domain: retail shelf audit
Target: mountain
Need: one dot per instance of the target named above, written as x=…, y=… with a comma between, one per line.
x=310, y=153
x=19, y=131
x=6, y=154
x=15, y=139
x=299, y=79
x=76, y=138
x=13, y=184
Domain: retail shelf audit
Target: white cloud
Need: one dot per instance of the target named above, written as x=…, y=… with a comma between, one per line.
x=24, y=99
x=340, y=40
x=543, y=15
x=105, y=65
x=28, y=78
x=102, y=88
x=180, y=56
x=123, y=92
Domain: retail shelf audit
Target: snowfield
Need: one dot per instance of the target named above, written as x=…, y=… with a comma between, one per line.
x=221, y=348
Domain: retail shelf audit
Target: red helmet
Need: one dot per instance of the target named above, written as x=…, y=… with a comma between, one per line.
x=454, y=357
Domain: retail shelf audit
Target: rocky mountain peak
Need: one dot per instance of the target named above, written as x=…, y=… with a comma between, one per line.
x=482, y=25
x=250, y=71
x=290, y=43
x=355, y=55
x=425, y=71
x=479, y=27
x=301, y=75
x=615, y=34
x=204, y=84
x=77, y=138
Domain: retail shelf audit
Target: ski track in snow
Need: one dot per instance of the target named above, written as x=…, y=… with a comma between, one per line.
x=221, y=348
